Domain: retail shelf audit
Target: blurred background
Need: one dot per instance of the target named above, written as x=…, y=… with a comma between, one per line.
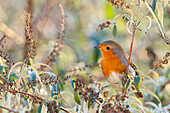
x=82, y=20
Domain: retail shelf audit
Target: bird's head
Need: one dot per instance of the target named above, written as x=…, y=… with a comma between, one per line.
x=109, y=48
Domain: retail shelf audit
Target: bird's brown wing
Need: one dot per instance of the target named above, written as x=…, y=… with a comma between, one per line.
x=124, y=59
x=134, y=67
x=138, y=94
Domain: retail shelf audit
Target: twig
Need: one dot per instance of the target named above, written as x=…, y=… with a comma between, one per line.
x=64, y=110
x=65, y=101
x=137, y=11
x=29, y=7
x=133, y=37
x=142, y=18
x=164, y=37
x=131, y=46
x=28, y=94
x=140, y=75
x=10, y=110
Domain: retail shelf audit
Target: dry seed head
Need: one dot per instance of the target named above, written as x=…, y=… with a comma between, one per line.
x=8, y=60
x=30, y=38
x=2, y=41
x=165, y=60
x=120, y=4
x=58, y=45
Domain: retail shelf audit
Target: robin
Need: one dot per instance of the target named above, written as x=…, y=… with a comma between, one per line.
x=114, y=63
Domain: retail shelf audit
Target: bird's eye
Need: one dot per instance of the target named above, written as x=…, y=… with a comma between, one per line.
x=107, y=48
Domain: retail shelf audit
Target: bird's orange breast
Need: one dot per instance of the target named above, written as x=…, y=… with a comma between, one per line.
x=112, y=63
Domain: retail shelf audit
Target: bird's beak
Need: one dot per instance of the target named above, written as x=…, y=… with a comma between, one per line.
x=97, y=47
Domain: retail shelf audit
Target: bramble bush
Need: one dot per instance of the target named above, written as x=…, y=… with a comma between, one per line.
x=67, y=77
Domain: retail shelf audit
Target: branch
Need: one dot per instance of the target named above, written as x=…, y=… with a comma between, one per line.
x=131, y=46
x=10, y=110
x=133, y=37
x=65, y=110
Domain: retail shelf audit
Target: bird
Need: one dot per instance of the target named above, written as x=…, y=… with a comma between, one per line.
x=114, y=62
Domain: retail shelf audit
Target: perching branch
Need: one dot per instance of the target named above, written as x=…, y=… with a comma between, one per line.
x=133, y=37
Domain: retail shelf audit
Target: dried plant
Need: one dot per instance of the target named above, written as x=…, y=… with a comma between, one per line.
x=30, y=38
x=58, y=44
x=164, y=61
x=8, y=86
x=29, y=7
x=92, y=96
x=3, y=41
x=8, y=59
x=120, y=4
x=29, y=87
